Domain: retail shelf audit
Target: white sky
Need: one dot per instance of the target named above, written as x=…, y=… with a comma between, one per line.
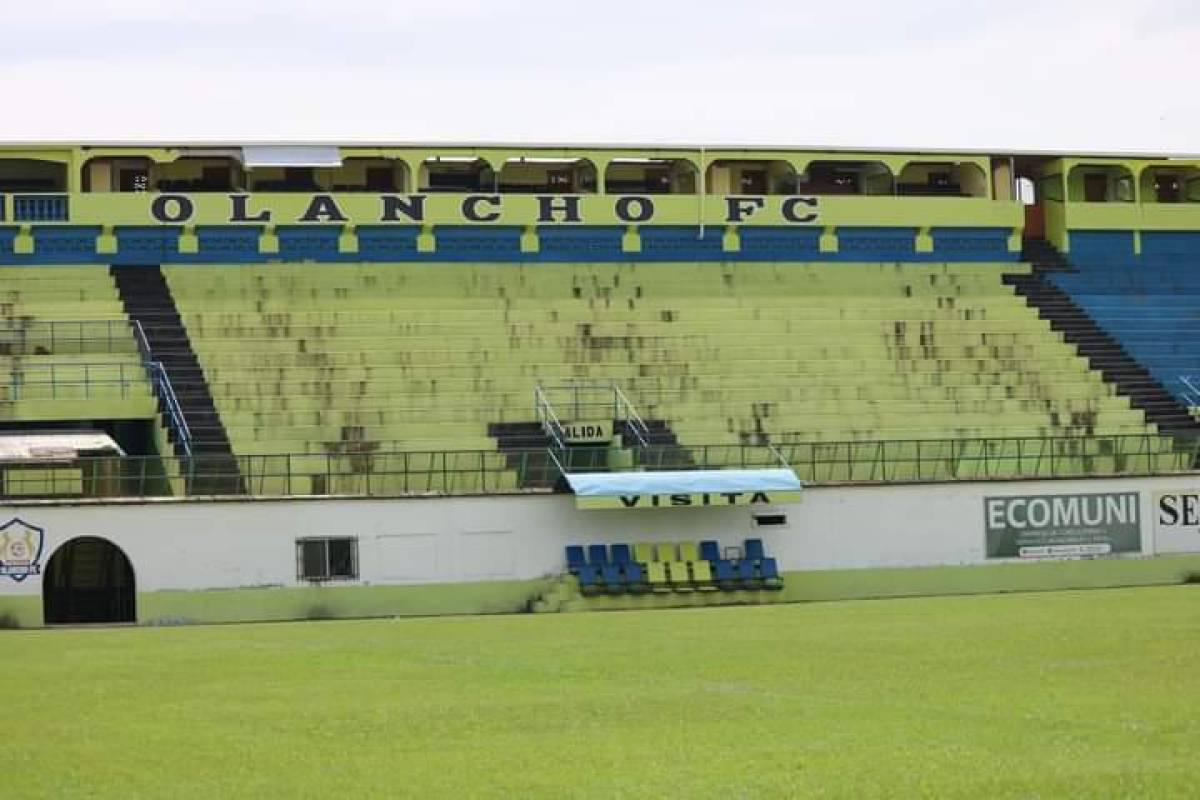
x=1060, y=74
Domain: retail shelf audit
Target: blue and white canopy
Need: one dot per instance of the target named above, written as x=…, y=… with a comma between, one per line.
x=684, y=488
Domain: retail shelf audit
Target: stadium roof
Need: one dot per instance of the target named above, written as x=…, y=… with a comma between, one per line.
x=485, y=145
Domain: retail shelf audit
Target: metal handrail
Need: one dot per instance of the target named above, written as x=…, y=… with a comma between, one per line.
x=166, y=393
x=139, y=335
x=616, y=404
x=633, y=420
x=548, y=419
x=1191, y=392
x=783, y=462
x=557, y=463
x=163, y=389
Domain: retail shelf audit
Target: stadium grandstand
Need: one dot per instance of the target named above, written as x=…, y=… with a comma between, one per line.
x=441, y=363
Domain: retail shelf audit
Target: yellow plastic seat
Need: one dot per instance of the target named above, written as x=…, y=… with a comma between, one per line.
x=702, y=575
x=656, y=576
x=681, y=576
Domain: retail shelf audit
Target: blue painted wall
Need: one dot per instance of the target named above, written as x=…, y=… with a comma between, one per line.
x=557, y=243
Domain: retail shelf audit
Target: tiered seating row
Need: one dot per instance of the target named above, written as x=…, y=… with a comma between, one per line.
x=422, y=357
x=1152, y=307
x=67, y=352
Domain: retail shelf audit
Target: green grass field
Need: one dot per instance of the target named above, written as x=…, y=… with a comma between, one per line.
x=1074, y=694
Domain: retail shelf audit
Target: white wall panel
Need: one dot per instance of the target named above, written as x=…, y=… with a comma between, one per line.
x=198, y=545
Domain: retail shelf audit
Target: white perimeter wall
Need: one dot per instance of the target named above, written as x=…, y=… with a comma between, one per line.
x=205, y=545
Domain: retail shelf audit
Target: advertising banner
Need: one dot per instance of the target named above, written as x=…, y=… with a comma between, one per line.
x=1177, y=521
x=1062, y=525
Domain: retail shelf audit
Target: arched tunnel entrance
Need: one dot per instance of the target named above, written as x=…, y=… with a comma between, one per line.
x=88, y=580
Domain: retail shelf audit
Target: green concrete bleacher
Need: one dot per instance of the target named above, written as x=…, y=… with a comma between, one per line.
x=66, y=350
x=312, y=360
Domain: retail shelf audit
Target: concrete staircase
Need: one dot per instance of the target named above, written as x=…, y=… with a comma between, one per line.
x=1044, y=256
x=147, y=299
x=527, y=445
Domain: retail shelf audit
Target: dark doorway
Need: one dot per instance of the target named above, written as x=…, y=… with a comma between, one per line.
x=1035, y=213
x=1167, y=188
x=88, y=580
x=1095, y=188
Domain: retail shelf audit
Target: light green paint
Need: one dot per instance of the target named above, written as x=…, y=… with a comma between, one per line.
x=829, y=240
x=115, y=208
x=498, y=597
x=128, y=208
x=529, y=240
x=20, y=611
x=106, y=242
x=270, y=603
x=331, y=601
x=987, y=578
x=23, y=244
x=631, y=240
x=731, y=240
x=924, y=243
x=268, y=242
x=858, y=584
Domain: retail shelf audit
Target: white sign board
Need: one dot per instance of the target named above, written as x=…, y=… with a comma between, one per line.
x=1177, y=520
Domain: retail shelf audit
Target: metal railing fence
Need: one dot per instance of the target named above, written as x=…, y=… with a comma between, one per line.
x=380, y=473
x=73, y=381
x=26, y=337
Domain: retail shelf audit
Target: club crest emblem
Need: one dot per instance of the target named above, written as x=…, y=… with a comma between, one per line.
x=20, y=549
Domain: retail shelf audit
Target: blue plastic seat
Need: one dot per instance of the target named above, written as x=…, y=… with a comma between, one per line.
x=613, y=581
x=725, y=574
x=754, y=550
x=769, y=569
x=635, y=577
x=746, y=573
x=710, y=550
x=621, y=555
x=589, y=579
x=597, y=554
x=575, y=557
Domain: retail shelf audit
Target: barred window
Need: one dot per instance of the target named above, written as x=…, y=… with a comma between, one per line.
x=327, y=558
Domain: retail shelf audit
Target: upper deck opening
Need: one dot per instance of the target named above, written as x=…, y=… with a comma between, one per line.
x=548, y=176
x=226, y=173
x=650, y=176
x=189, y=173
x=456, y=174
x=847, y=177
x=1170, y=184
x=942, y=179
x=1100, y=183
x=750, y=176
x=31, y=175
